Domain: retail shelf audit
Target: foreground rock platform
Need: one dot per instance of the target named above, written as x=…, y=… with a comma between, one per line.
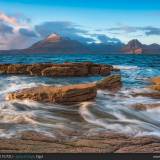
x=58, y=70
x=33, y=142
x=62, y=95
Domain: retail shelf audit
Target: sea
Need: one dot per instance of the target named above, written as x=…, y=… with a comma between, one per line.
x=109, y=112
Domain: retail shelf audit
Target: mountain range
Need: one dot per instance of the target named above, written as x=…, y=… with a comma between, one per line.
x=55, y=43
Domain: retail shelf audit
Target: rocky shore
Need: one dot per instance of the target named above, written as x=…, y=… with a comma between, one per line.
x=105, y=142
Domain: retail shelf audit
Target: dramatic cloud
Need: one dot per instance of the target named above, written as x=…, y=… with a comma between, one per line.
x=148, y=31
x=65, y=29
x=61, y=27
x=15, y=32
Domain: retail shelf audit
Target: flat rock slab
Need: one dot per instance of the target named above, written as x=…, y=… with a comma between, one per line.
x=33, y=142
x=62, y=95
x=66, y=94
x=51, y=70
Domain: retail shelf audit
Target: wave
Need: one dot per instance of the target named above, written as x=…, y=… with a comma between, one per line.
x=126, y=67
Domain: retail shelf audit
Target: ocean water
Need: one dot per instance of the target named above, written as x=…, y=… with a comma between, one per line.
x=108, y=112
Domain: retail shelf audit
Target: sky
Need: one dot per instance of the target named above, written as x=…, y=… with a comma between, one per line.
x=23, y=22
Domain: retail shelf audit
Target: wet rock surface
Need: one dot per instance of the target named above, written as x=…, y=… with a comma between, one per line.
x=64, y=69
x=33, y=142
x=63, y=95
x=112, y=82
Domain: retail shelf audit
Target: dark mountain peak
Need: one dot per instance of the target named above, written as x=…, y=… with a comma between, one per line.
x=134, y=44
x=55, y=43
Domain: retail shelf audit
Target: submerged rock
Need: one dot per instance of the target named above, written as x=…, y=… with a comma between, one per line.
x=63, y=95
x=64, y=69
x=154, y=95
x=143, y=107
x=112, y=82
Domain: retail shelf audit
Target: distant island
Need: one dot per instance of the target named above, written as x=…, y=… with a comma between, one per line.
x=55, y=43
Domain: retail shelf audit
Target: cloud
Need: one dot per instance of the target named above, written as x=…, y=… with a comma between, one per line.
x=8, y=19
x=151, y=31
x=65, y=29
x=15, y=32
x=147, y=30
x=27, y=32
x=5, y=29
x=106, y=40
x=73, y=31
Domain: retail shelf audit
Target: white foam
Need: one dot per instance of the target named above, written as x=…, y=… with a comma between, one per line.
x=126, y=67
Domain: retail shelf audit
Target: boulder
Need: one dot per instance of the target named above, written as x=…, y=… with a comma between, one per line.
x=112, y=82
x=62, y=95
